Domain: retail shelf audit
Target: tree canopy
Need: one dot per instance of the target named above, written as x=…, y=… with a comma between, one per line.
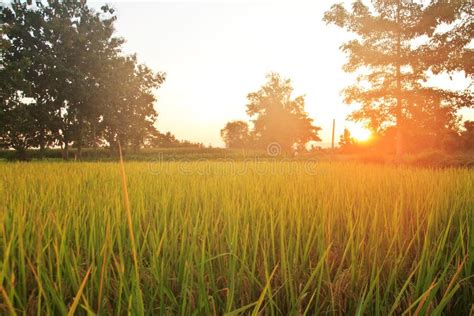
x=65, y=80
x=236, y=134
x=397, y=46
x=277, y=117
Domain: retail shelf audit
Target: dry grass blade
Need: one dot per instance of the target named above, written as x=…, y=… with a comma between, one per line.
x=424, y=298
x=455, y=276
x=7, y=301
x=129, y=213
x=77, y=298
x=264, y=292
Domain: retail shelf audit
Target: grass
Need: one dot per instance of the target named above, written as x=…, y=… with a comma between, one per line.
x=146, y=154
x=212, y=238
x=424, y=159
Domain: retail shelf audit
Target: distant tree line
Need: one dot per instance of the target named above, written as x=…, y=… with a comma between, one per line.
x=168, y=140
x=398, y=45
x=66, y=82
x=462, y=140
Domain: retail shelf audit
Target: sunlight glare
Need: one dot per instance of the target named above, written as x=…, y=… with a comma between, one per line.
x=360, y=134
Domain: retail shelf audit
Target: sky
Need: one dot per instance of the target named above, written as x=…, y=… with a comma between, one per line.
x=215, y=52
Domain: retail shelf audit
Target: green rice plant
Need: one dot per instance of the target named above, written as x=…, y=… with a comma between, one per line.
x=235, y=238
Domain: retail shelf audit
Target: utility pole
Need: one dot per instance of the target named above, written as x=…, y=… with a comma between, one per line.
x=333, y=131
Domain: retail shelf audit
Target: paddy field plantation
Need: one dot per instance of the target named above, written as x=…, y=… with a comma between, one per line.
x=235, y=238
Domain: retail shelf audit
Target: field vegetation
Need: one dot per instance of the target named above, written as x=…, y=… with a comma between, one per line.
x=210, y=238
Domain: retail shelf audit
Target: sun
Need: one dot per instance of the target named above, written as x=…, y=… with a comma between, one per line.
x=360, y=134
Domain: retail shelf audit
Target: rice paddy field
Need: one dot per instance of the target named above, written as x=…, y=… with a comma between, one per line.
x=235, y=238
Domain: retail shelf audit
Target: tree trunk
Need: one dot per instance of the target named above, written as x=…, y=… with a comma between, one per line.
x=94, y=139
x=79, y=150
x=79, y=139
x=66, y=150
x=399, y=137
x=21, y=153
x=42, y=144
x=41, y=150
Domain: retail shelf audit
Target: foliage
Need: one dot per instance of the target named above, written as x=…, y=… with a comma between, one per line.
x=168, y=140
x=236, y=134
x=130, y=116
x=468, y=135
x=64, y=56
x=277, y=118
x=18, y=127
x=392, y=66
x=346, y=139
x=346, y=142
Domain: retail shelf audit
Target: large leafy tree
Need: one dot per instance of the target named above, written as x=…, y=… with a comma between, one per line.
x=81, y=42
x=18, y=126
x=62, y=64
x=129, y=114
x=236, y=134
x=278, y=117
x=22, y=124
x=392, y=67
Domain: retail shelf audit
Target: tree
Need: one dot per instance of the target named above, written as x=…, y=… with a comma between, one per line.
x=81, y=42
x=346, y=140
x=278, y=117
x=129, y=114
x=168, y=140
x=62, y=47
x=236, y=134
x=62, y=64
x=22, y=123
x=18, y=127
x=428, y=122
x=163, y=140
x=391, y=67
x=468, y=135
x=450, y=50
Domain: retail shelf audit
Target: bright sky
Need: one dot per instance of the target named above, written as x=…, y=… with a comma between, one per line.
x=216, y=52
